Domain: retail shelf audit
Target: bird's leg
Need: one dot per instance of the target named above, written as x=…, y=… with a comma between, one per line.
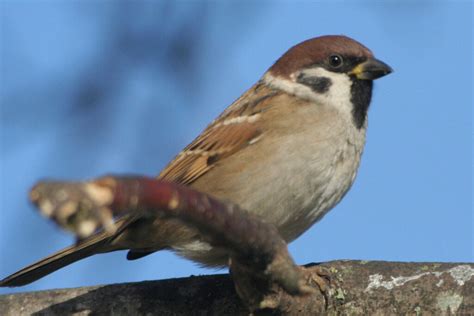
x=258, y=254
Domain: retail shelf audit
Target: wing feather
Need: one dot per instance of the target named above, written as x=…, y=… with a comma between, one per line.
x=233, y=130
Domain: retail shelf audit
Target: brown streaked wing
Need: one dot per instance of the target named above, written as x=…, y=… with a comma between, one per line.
x=233, y=130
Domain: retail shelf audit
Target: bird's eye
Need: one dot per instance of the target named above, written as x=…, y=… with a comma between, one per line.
x=335, y=61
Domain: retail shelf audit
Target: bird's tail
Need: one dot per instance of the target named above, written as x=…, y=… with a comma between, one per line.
x=88, y=247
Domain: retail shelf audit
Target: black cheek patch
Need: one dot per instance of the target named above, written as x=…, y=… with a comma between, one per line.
x=317, y=84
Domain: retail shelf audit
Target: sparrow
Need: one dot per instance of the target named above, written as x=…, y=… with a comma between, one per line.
x=287, y=150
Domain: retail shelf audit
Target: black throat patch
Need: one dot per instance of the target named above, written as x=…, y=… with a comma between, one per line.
x=317, y=84
x=361, y=94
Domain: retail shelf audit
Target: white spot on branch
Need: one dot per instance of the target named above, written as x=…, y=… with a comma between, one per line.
x=99, y=194
x=86, y=228
x=461, y=274
x=449, y=302
x=46, y=208
x=174, y=201
x=376, y=281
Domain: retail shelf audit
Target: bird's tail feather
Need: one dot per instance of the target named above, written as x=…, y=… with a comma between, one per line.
x=88, y=247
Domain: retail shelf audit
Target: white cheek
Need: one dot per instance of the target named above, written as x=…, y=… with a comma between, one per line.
x=338, y=94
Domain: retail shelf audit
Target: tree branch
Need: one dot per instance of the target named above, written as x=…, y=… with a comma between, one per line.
x=359, y=288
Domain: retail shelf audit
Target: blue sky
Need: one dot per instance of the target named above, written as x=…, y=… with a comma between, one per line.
x=90, y=88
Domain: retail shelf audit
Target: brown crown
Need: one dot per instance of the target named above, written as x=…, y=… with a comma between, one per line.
x=316, y=50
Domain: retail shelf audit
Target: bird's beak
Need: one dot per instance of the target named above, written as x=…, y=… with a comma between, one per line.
x=371, y=69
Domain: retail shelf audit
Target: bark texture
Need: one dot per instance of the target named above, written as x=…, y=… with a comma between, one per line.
x=356, y=288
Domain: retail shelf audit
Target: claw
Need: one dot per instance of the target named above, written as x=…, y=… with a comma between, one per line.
x=321, y=277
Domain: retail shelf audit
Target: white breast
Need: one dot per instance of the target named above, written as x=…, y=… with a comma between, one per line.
x=322, y=174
